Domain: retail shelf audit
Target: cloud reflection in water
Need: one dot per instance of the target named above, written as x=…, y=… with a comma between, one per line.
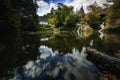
x=52, y=66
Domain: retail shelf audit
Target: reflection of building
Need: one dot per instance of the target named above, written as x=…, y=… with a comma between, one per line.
x=81, y=12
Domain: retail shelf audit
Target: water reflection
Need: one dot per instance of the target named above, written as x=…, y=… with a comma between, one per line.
x=79, y=31
x=34, y=56
x=50, y=65
x=91, y=42
x=7, y=54
x=15, y=51
x=44, y=39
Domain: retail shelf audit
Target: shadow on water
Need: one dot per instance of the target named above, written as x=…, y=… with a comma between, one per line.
x=109, y=45
x=7, y=53
x=12, y=53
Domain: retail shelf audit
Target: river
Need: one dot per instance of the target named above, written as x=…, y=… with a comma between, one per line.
x=57, y=57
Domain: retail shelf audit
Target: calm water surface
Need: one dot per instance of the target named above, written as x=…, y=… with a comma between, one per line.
x=56, y=57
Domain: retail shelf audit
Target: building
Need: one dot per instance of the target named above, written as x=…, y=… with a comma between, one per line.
x=81, y=13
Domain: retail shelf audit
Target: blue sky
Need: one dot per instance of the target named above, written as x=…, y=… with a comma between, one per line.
x=46, y=5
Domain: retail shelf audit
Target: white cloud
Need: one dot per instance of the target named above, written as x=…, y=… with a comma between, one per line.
x=42, y=3
x=44, y=7
x=52, y=5
x=78, y=3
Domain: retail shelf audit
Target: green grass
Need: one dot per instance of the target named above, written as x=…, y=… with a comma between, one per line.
x=45, y=30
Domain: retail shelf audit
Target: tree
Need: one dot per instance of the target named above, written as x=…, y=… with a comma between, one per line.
x=115, y=9
x=27, y=13
x=16, y=13
x=113, y=17
x=9, y=19
x=94, y=7
x=71, y=20
x=93, y=18
x=63, y=17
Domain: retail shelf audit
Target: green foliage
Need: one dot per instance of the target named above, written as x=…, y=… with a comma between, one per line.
x=9, y=19
x=115, y=10
x=51, y=20
x=15, y=12
x=45, y=30
x=93, y=18
x=82, y=20
x=71, y=20
x=63, y=17
x=113, y=17
x=94, y=7
x=14, y=20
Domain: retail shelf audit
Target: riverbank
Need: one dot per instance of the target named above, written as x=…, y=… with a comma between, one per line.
x=106, y=63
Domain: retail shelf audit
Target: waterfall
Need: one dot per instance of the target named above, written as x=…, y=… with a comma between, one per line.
x=78, y=31
x=91, y=42
x=100, y=31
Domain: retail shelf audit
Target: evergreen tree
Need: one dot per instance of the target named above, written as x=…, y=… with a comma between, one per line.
x=9, y=19
x=18, y=15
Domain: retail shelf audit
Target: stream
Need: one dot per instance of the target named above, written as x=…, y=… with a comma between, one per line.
x=58, y=57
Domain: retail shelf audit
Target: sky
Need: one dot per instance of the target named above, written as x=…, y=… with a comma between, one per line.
x=46, y=5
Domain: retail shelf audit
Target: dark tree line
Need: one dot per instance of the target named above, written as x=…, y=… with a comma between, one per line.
x=18, y=15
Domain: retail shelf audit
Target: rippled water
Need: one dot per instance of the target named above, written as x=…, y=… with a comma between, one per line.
x=56, y=57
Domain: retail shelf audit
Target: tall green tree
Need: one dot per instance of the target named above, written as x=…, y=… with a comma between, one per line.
x=64, y=17
x=27, y=10
x=18, y=15
x=93, y=18
x=9, y=18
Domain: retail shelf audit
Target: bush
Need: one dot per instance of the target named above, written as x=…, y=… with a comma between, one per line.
x=94, y=20
x=63, y=17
